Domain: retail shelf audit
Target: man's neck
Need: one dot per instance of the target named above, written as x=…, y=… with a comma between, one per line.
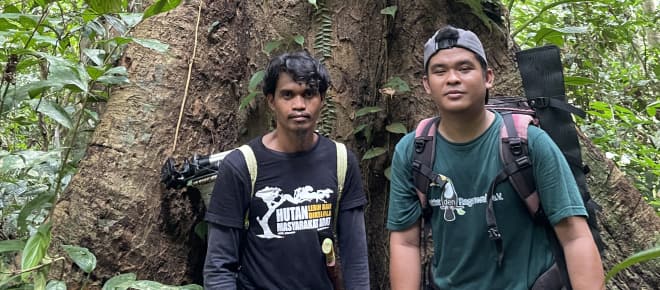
x=290, y=142
x=465, y=127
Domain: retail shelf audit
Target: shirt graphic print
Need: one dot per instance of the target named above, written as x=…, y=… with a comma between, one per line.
x=308, y=209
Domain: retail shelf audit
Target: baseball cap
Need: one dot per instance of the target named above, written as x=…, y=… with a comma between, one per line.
x=449, y=37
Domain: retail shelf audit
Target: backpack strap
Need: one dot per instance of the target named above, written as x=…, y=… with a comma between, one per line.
x=517, y=169
x=342, y=167
x=251, y=163
x=423, y=158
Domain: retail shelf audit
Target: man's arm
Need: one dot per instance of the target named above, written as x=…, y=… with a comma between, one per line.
x=353, y=248
x=405, y=262
x=585, y=268
x=222, y=257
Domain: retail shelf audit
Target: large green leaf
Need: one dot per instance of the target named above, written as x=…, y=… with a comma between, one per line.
x=271, y=45
x=642, y=256
x=578, y=81
x=397, y=84
x=246, y=101
x=397, y=128
x=390, y=10
x=160, y=6
x=255, y=80
x=105, y=6
x=114, y=76
x=54, y=111
x=37, y=203
x=152, y=44
x=367, y=110
x=131, y=19
x=82, y=257
x=11, y=246
x=115, y=282
x=55, y=285
x=35, y=248
x=374, y=152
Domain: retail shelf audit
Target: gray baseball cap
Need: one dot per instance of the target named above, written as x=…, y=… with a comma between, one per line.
x=452, y=37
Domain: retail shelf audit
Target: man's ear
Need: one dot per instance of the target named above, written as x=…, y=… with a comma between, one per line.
x=425, y=81
x=270, y=99
x=490, y=78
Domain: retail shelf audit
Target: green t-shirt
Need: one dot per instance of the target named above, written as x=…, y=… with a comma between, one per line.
x=465, y=258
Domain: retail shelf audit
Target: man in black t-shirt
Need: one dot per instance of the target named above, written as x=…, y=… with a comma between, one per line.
x=293, y=200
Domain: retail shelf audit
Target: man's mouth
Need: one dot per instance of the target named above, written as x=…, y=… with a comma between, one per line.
x=299, y=117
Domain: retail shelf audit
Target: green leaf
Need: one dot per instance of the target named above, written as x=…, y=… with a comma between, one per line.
x=397, y=128
x=37, y=203
x=573, y=29
x=367, y=110
x=255, y=80
x=652, y=108
x=54, y=111
x=55, y=285
x=246, y=101
x=35, y=248
x=390, y=10
x=374, y=152
x=115, y=281
x=201, y=229
x=191, y=287
x=105, y=6
x=299, y=39
x=115, y=76
x=152, y=44
x=358, y=129
x=147, y=285
x=82, y=257
x=388, y=173
x=578, y=81
x=95, y=55
x=7, y=246
x=271, y=45
x=94, y=72
x=642, y=256
x=397, y=84
x=160, y=6
x=131, y=19
x=116, y=23
x=313, y=2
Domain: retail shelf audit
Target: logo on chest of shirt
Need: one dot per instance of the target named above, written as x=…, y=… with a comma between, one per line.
x=311, y=210
x=452, y=205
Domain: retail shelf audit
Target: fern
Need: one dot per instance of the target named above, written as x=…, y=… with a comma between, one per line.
x=323, y=37
x=328, y=117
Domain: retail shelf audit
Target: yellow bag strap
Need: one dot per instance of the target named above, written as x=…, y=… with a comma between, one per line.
x=342, y=166
x=251, y=162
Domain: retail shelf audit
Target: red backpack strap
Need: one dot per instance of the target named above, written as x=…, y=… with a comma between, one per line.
x=423, y=157
x=515, y=156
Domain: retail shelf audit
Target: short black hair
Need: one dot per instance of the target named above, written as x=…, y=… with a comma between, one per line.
x=302, y=67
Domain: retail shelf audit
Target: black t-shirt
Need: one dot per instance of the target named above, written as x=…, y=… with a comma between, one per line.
x=294, y=197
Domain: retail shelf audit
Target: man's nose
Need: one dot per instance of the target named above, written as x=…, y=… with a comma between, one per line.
x=452, y=76
x=298, y=102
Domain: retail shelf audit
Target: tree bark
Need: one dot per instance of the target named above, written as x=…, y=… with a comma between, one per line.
x=116, y=207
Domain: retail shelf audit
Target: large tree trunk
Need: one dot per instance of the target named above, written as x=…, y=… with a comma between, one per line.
x=116, y=207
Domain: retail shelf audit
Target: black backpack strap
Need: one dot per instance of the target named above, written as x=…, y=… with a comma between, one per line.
x=423, y=158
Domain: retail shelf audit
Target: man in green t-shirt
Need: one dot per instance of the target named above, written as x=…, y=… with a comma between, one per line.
x=467, y=153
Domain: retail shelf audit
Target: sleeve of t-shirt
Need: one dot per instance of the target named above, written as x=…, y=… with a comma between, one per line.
x=558, y=191
x=353, y=249
x=231, y=192
x=404, y=208
x=353, y=194
x=222, y=257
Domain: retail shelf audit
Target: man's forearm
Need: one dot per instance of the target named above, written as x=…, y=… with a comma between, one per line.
x=353, y=249
x=222, y=258
x=584, y=265
x=405, y=261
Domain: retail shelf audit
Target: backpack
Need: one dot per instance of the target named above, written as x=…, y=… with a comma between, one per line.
x=544, y=106
x=201, y=171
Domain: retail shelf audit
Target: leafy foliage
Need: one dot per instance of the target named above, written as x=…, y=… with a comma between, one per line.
x=59, y=59
x=611, y=63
